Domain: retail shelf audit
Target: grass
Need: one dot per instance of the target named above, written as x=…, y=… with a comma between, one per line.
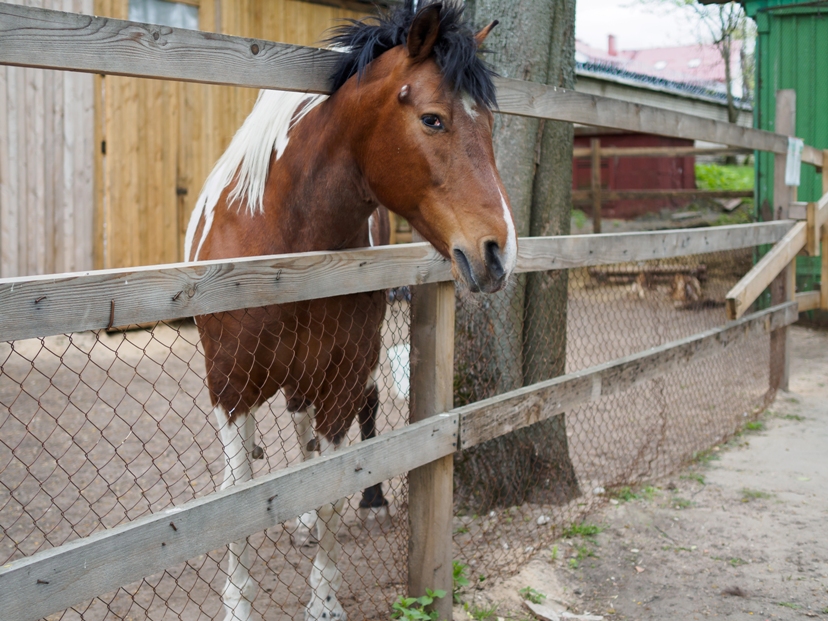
x=579, y=218
x=480, y=613
x=792, y=605
x=532, y=595
x=754, y=494
x=694, y=476
x=705, y=457
x=681, y=503
x=719, y=177
x=554, y=554
x=755, y=425
x=626, y=493
x=587, y=531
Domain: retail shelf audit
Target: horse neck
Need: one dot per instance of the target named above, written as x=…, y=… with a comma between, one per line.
x=329, y=201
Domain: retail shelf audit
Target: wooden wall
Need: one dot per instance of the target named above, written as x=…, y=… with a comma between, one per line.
x=162, y=138
x=46, y=164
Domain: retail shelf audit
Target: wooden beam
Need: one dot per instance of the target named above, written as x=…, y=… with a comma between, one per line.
x=32, y=37
x=579, y=196
x=430, y=487
x=66, y=303
x=491, y=418
x=584, y=152
x=745, y=292
x=595, y=147
x=807, y=301
x=53, y=580
x=783, y=288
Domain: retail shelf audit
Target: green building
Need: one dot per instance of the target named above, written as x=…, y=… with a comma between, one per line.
x=792, y=53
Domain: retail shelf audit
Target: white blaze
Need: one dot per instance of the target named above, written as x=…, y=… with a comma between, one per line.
x=510, y=251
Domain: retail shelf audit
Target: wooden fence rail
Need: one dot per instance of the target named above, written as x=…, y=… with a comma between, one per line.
x=32, y=37
x=53, y=580
x=58, y=304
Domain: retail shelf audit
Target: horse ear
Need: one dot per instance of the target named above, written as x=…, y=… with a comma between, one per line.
x=423, y=32
x=484, y=32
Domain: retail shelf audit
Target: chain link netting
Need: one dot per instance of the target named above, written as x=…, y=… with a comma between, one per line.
x=100, y=428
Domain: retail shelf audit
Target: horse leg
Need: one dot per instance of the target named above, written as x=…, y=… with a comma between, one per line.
x=372, y=500
x=301, y=528
x=325, y=577
x=237, y=439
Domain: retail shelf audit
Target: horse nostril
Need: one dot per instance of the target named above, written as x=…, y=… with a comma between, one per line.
x=493, y=260
x=465, y=267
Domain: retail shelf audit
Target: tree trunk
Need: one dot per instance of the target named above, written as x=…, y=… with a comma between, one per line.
x=518, y=336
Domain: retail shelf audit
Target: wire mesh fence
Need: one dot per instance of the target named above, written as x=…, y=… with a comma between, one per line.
x=100, y=428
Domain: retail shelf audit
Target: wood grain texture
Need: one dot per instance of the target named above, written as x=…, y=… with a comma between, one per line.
x=430, y=487
x=745, y=292
x=81, y=301
x=579, y=196
x=488, y=419
x=33, y=37
x=807, y=301
x=55, y=579
x=659, y=151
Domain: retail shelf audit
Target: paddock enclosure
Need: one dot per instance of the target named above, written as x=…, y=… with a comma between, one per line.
x=662, y=344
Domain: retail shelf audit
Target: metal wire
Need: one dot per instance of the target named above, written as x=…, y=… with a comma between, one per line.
x=100, y=428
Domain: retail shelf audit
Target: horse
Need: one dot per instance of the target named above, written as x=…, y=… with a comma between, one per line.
x=408, y=127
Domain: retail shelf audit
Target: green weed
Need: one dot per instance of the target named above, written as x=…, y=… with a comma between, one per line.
x=528, y=593
x=754, y=494
x=458, y=579
x=587, y=531
x=681, y=503
x=554, y=555
x=755, y=425
x=579, y=218
x=792, y=605
x=414, y=608
x=694, y=476
x=480, y=613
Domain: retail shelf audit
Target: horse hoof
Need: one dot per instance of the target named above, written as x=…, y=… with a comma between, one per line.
x=321, y=610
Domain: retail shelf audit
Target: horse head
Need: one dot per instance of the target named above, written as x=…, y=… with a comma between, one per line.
x=426, y=148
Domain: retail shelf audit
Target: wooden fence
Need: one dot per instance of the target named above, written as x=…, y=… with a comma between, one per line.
x=54, y=579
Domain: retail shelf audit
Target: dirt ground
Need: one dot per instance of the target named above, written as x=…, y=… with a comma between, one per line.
x=741, y=534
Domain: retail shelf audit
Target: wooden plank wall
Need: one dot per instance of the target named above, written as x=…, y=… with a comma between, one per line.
x=46, y=160
x=162, y=138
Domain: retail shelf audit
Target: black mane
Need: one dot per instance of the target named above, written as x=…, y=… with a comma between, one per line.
x=455, y=51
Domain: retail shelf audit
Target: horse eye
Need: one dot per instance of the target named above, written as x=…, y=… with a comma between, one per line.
x=432, y=121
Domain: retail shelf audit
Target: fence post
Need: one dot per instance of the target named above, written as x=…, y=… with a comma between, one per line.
x=823, y=279
x=595, y=147
x=430, y=487
x=783, y=289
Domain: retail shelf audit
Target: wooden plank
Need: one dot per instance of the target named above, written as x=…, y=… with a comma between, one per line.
x=807, y=301
x=745, y=292
x=579, y=196
x=5, y=171
x=542, y=101
x=595, y=147
x=430, y=487
x=784, y=287
x=35, y=37
x=491, y=418
x=40, y=38
x=59, y=304
x=572, y=251
x=584, y=152
x=55, y=579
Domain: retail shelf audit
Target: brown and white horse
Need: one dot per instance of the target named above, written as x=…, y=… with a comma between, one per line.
x=408, y=126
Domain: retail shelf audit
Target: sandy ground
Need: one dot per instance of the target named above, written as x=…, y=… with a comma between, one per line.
x=741, y=534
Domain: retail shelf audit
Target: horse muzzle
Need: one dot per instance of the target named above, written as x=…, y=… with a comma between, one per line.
x=485, y=273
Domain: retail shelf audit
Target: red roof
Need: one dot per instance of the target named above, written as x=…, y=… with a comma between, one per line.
x=694, y=64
